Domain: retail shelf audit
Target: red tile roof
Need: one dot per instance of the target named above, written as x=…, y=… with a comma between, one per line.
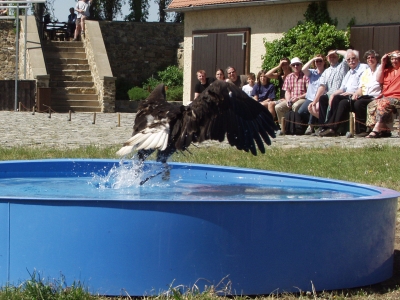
x=193, y=3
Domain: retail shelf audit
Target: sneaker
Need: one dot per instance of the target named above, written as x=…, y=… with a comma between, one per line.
x=317, y=131
x=309, y=130
x=328, y=132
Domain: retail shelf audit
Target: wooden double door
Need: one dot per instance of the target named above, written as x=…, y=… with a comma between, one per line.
x=381, y=38
x=212, y=50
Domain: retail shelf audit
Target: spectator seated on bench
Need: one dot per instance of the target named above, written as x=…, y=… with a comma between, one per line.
x=295, y=87
x=239, y=81
x=380, y=111
x=368, y=89
x=339, y=101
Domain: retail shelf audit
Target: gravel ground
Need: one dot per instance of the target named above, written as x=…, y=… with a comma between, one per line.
x=107, y=129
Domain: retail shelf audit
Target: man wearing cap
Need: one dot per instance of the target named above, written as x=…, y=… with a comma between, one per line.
x=329, y=82
x=295, y=87
x=338, y=100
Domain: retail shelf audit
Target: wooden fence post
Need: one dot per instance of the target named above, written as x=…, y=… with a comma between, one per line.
x=283, y=121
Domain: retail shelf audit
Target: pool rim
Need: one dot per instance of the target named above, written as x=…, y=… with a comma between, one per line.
x=380, y=192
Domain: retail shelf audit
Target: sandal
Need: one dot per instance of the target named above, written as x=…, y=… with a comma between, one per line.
x=374, y=135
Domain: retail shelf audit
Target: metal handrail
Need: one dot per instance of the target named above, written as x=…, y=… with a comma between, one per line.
x=24, y=4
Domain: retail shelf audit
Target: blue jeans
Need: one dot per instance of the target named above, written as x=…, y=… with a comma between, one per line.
x=305, y=114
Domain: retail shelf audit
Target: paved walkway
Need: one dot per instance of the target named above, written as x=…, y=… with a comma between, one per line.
x=26, y=129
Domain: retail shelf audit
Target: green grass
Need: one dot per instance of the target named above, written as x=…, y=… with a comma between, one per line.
x=37, y=288
x=18, y=153
x=377, y=165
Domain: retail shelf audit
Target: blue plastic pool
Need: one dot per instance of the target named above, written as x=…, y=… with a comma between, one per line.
x=266, y=231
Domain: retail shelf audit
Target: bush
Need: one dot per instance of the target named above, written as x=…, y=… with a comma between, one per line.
x=172, y=76
x=317, y=35
x=137, y=93
x=304, y=41
x=151, y=83
x=175, y=93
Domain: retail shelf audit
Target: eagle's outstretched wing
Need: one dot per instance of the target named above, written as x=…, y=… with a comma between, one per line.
x=224, y=109
x=221, y=110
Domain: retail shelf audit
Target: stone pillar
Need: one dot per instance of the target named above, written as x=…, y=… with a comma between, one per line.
x=108, y=85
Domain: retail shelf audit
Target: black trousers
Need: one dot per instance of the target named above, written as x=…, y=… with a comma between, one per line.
x=333, y=115
x=340, y=109
x=360, y=109
x=323, y=108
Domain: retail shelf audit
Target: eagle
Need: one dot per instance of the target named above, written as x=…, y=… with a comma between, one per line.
x=221, y=110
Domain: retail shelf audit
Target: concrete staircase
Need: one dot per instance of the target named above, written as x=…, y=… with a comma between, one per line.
x=71, y=82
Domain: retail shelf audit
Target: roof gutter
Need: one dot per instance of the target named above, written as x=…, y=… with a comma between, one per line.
x=234, y=5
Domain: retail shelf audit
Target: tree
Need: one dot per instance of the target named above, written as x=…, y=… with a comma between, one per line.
x=317, y=13
x=99, y=9
x=105, y=9
x=110, y=8
x=162, y=4
x=41, y=9
x=179, y=17
x=139, y=11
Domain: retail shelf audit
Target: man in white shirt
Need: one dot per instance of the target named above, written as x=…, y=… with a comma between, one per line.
x=348, y=87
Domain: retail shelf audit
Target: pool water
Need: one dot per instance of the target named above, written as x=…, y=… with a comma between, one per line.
x=122, y=182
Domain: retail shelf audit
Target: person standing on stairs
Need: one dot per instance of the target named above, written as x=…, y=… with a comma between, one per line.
x=71, y=24
x=82, y=8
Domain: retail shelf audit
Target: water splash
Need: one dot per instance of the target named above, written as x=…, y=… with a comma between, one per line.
x=128, y=174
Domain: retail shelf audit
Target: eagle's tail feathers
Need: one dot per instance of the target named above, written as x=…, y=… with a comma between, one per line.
x=124, y=150
x=154, y=141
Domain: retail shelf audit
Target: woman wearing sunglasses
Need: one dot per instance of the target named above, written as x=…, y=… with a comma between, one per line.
x=308, y=112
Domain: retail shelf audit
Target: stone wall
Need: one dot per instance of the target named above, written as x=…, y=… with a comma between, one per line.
x=7, y=49
x=136, y=51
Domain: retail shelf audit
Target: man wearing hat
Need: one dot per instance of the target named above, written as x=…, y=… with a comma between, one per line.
x=329, y=82
x=295, y=87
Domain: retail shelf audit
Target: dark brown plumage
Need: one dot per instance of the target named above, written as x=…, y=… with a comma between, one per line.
x=221, y=110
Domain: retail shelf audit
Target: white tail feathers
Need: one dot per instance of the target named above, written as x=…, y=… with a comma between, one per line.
x=124, y=150
x=150, y=138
